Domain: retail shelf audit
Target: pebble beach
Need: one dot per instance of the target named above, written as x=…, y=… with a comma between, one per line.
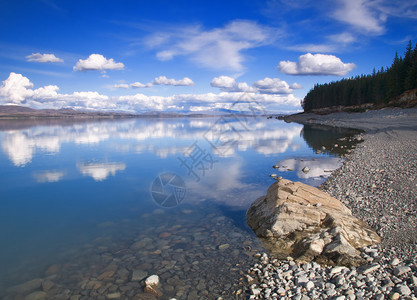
x=378, y=182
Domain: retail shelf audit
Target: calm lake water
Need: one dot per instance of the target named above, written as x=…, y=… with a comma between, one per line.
x=91, y=208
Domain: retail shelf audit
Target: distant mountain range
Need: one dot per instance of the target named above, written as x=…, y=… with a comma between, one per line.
x=14, y=111
x=21, y=112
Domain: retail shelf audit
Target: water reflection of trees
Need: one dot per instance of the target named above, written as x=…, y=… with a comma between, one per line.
x=319, y=136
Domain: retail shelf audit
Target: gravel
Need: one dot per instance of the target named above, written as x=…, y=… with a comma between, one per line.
x=378, y=182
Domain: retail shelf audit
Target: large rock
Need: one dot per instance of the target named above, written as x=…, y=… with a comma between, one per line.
x=298, y=220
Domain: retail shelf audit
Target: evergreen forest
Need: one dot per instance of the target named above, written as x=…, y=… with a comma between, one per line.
x=377, y=88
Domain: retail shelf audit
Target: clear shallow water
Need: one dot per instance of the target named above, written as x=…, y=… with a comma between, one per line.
x=76, y=200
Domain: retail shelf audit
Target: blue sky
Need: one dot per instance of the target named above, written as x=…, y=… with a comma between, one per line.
x=191, y=56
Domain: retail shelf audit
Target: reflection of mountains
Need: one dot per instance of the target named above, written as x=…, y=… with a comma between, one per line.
x=161, y=137
x=317, y=136
x=19, y=124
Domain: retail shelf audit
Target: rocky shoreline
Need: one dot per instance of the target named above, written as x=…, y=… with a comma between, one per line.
x=378, y=182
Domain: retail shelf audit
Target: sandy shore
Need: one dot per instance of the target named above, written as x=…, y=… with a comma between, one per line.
x=378, y=182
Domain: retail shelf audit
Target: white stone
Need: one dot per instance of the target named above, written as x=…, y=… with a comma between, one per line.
x=395, y=261
x=256, y=292
x=309, y=285
x=152, y=280
x=404, y=290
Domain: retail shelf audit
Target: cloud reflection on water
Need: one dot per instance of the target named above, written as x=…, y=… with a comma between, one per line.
x=162, y=138
x=100, y=171
x=22, y=145
x=225, y=185
x=48, y=176
x=317, y=167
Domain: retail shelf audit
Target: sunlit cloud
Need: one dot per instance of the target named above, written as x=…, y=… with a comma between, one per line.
x=97, y=62
x=272, y=86
x=229, y=84
x=163, y=80
x=316, y=64
x=136, y=85
x=18, y=89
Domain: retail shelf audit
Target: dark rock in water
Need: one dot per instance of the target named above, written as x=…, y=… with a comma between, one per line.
x=38, y=295
x=298, y=220
x=26, y=287
x=138, y=275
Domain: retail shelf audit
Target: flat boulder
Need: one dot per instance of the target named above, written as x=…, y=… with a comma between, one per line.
x=297, y=220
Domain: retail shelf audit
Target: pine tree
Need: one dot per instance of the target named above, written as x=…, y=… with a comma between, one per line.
x=378, y=87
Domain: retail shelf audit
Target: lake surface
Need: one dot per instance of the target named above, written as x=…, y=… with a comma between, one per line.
x=90, y=208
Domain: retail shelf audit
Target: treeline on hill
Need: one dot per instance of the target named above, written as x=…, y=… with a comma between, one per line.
x=378, y=88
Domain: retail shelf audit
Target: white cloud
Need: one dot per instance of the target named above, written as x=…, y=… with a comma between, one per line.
x=121, y=86
x=344, y=38
x=317, y=64
x=97, y=62
x=16, y=88
x=136, y=85
x=316, y=48
x=100, y=171
x=229, y=84
x=361, y=14
x=204, y=102
x=219, y=48
x=43, y=58
x=272, y=86
x=264, y=86
x=296, y=86
x=46, y=93
x=163, y=80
